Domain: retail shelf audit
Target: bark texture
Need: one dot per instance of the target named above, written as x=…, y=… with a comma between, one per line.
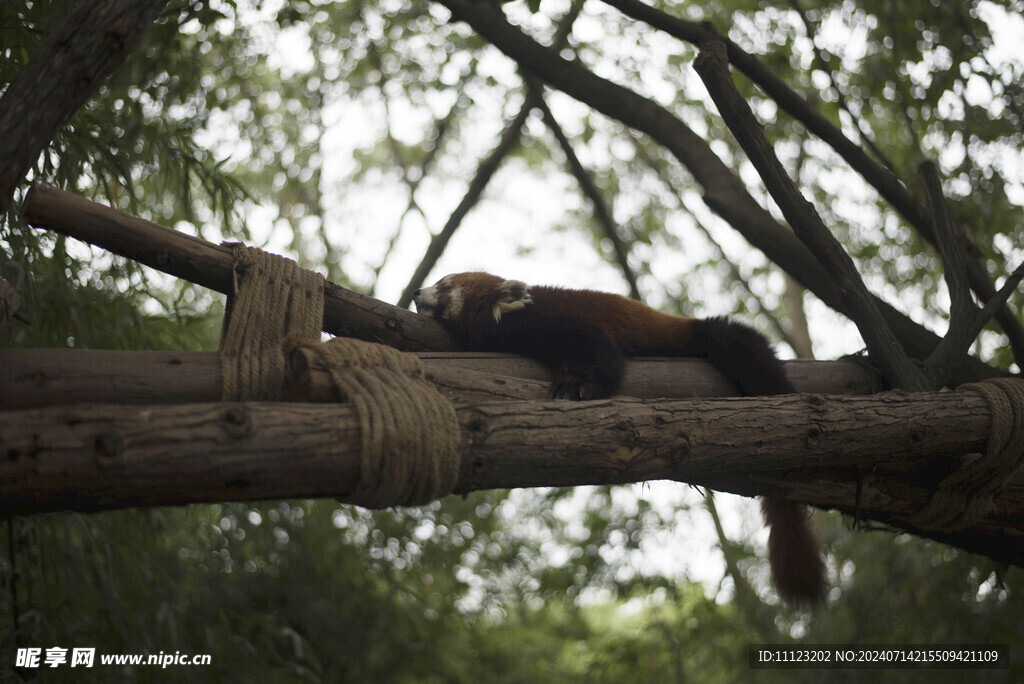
x=68, y=68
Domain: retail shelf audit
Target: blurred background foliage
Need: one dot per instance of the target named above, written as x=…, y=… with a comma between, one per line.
x=342, y=133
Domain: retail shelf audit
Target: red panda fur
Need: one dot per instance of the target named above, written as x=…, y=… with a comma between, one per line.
x=583, y=335
x=637, y=328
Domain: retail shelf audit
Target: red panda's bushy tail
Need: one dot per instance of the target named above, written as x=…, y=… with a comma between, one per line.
x=798, y=572
x=747, y=359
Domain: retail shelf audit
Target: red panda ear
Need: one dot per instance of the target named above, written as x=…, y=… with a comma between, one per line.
x=511, y=295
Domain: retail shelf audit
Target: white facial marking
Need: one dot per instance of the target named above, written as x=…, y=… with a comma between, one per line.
x=455, y=302
x=426, y=300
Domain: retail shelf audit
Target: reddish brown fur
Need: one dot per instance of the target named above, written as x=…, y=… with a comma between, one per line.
x=797, y=570
x=639, y=329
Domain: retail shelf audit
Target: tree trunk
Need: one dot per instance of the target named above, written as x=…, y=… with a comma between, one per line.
x=69, y=66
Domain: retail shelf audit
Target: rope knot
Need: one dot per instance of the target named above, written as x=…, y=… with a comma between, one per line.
x=969, y=494
x=411, y=441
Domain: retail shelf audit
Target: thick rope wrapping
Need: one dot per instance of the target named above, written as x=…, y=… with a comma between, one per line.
x=272, y=299
x=411, y=439
x=969, y=494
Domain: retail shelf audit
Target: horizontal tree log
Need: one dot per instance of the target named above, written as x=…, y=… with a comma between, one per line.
x=803, y=447
x=47, y=377
x=193, y=259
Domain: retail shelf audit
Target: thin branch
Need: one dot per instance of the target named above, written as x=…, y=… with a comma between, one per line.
x=947, y=354
x=485, y=171
x=962, y=309
x=745, y=595
x=713, y=67
x=790, y=101
x=955, y=271
x=966, y=320
x=509, y=138
x=844, y=104
x=602, y=214
x=993, y=305
x=441, y=128
x=798, y=332
x=720, y=257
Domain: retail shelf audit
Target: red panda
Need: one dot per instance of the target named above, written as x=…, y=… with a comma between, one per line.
x=584, y=336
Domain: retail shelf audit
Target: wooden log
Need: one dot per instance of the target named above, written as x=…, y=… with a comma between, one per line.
x=803, y=447
x=47, y=377
x=480, y=376
x=346, y=313
x=106, y=452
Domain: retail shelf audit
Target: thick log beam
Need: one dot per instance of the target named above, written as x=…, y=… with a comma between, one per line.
x=112, y=453
x=874, y=457
x=31, y=378
x=346, y=313
x=90, y=457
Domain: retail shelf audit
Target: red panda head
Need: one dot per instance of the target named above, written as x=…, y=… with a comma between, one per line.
x=471, y=304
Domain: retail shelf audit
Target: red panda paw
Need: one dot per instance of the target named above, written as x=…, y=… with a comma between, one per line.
x=579, y=383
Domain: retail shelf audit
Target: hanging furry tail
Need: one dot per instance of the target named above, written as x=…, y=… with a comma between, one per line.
x=798, y=571
x=747, y=358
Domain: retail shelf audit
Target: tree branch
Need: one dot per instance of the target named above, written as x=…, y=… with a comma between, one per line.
x=966, y=320
x=92, y=457
x=745, y=595
x=345, y=312
x=487, y=168
x=32, y=378
x=68, y=68
x=441, y=128
x=191, y=452
x=822, y=63
x=589, y=188
x=962, y=311
x=713, y=67
x=485, y=171
x=661, y=171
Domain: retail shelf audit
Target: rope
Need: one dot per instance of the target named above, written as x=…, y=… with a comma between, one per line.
x=969, y=494
x=410, y=434
x=411, y=440
x=272, y=298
